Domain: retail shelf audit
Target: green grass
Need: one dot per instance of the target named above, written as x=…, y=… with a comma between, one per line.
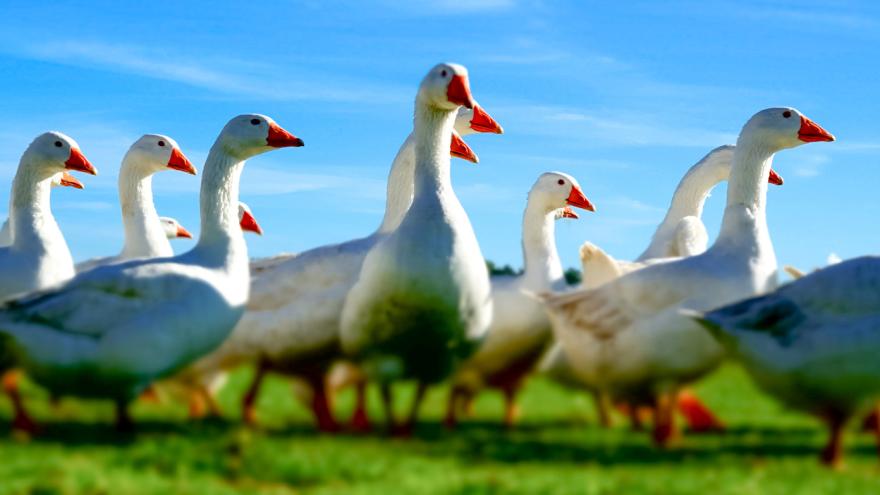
x=556, y=449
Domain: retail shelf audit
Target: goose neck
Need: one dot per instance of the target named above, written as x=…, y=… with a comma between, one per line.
x=542, y=266
x=433, y=136
x=221, y=243
x=32, y=222
x=399, y=193
x=144, y=236
x=745, y=216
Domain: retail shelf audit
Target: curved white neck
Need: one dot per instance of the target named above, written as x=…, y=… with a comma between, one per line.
x=542, y=265
x=32, y=224
x=433, y=136
x=221, y=243
x=144, y=236
x=745, y=217
x=688, y=200
x=399, y=192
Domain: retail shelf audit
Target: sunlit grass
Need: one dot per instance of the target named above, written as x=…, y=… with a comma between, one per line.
x=557, y=448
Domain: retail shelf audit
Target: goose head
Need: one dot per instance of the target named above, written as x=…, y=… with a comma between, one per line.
x=64, y=179
x=446, y=87
x=173, y=229
x=53, y=152
x=556, y=190
x=783, y=127
x=567, y=212
x=252, y=134
x=472, y=120
x=246, y=219
x=154, y=152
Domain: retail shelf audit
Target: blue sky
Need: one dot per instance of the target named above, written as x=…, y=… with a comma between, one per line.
x=623, y=98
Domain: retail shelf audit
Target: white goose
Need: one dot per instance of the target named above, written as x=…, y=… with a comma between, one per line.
x=144, y=235
x=520, y=330
x=111, y=331
x=37, y=256
x=628, y=339
x=422, y=300
x=680, y=234
x=62, y=179
x=813, y=344
x=291, y=325
x=174, y=230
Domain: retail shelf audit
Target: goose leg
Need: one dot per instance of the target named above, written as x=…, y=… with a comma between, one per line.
x=196, y=405
x=124, y=424
x=21, y=420
x=406, y=429
x=360, y=421
x=214, y=410
x=388, y=406
x=511, y=410
x=248, y=409
x=664, y=420
x=603, y=408
x=876, y=428
x=700, y=418
x=321, y=404
x=872, y=421
x=833, y=451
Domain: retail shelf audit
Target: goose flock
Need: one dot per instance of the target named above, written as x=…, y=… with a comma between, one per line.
x=414, y=301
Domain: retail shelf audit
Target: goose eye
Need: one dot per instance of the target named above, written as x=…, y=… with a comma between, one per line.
x=255, y=121
x=161, y=143
x=560, y=182
x=444, y=73
x=786, y=114
x=58, y=144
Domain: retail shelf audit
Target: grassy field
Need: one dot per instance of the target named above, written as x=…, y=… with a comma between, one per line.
x=556, y=449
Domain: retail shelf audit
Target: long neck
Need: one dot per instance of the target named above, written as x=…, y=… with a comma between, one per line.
x=745, y=217
x=33, y=225
x=688, y=200
x=144, y=236
x=433, y=136
x=542, y=265
x=399, y=192
x=221, y=243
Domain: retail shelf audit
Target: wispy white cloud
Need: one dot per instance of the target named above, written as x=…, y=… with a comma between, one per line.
x=810, y=165
x=221, y=75
x=447, y=7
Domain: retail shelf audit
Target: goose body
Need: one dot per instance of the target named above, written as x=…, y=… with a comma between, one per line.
x=814, y=343
x=422, y=300
x=628, y=337
x=111, y=331
x=292, y=320
x=520, y=330
x=145, y=236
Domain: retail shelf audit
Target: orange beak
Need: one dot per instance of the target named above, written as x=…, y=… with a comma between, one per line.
x=459, y=91
x=179, y=162
x=569, y=213
x=77, y=161
x=482, y=122
x=576, y=198
x=775, y=178
x=460, y=149
x=249, y=223
x=811, y=132
x=279, y=138
x=68, y=180
x=182, y=232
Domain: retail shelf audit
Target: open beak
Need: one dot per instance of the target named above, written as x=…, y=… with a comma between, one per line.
x=811, y=132
x=249, y=223
x=279, y=138
x=460, y=149
x=569, y=213
x=77, y=161
x=775, y=178
x=459, y=91
x=68, y=180
x=482, y=122
x=182, y=232
x=179, y=162
x=576, y=198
